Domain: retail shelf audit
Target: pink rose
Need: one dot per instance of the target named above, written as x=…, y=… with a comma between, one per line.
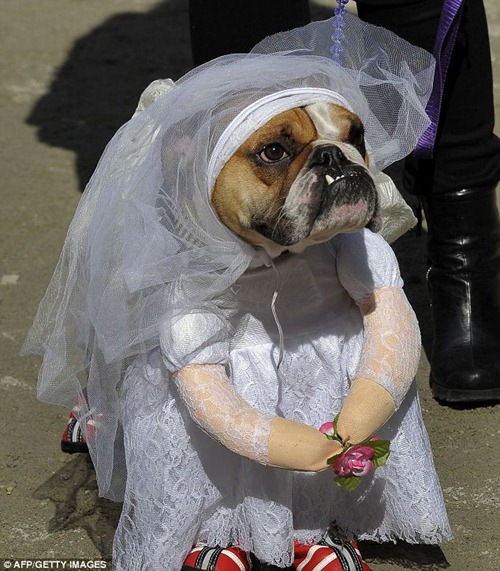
x=356, y=461
x=327, y=428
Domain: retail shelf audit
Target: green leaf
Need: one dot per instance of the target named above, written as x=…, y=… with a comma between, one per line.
x=348, y=482
x=382, y=452
x=333, y=459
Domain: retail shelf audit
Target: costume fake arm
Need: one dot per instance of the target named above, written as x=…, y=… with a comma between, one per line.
x=388, y=366
x=216, y=407
x=389, y=362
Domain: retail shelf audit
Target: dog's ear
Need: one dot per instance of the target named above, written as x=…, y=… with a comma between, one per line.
x=393, y=216
x=153, y=91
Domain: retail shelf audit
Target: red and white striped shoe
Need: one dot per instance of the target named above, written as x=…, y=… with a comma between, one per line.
x=206, y=558
x=330, y=554
x=72, y=439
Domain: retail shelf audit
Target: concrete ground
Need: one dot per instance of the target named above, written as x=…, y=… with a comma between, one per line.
x=70, y=74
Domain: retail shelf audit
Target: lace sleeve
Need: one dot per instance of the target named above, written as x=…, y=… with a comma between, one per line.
x=369, y=271
x=391, y=348
x=215, y=406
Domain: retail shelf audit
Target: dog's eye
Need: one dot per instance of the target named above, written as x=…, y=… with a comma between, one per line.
x=273, y=153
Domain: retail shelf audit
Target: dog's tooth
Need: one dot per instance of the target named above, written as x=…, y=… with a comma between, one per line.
x=329, y=179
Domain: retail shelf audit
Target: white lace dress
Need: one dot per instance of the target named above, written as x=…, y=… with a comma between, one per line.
x=183, y=487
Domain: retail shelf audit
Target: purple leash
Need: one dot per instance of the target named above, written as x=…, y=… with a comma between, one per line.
x=446, y=36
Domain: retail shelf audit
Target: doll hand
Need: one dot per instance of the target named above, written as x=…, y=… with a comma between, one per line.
x=297, y=446
x=367, y=407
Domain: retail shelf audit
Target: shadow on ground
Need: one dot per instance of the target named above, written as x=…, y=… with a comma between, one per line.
x=97, y=89
x=73, y=490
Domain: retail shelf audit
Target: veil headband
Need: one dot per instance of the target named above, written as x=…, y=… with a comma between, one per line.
x=258, y=114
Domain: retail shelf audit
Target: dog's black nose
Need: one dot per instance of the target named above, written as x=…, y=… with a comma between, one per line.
x=328, y=156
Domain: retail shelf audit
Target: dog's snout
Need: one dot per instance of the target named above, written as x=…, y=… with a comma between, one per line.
x=328, y=156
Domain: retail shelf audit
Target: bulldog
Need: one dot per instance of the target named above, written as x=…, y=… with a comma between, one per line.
x=212, y=366
x=298, y=180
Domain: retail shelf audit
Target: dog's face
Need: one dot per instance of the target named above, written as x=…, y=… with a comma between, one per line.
x=298, y=180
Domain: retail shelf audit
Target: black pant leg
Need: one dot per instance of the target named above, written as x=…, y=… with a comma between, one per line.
x=467, y=152
x=221, y=27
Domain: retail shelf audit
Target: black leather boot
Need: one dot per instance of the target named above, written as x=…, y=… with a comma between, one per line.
x=464, y=289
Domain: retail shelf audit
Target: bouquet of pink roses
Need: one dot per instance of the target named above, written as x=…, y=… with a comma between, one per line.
x=355, y=461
